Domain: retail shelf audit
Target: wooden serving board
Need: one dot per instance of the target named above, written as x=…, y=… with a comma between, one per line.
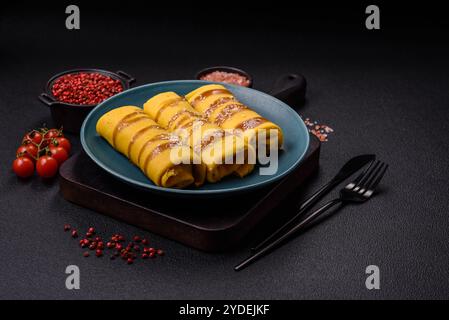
x=209, y=224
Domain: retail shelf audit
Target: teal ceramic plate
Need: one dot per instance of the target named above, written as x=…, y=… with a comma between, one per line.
x=296, y=138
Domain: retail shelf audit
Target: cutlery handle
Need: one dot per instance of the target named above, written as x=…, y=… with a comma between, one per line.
x=286, y=235
x=309, y=218
x=302, y=209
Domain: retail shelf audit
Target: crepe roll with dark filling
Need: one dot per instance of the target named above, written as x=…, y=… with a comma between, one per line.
x=149, y=146
x=219, y=106
x=173, y=112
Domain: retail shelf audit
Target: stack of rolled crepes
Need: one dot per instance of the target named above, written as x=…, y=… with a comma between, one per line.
x=132, y=132
x=223, y=154
x=219, y=106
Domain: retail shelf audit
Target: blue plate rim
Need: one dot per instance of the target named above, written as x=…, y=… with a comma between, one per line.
x=192, y=191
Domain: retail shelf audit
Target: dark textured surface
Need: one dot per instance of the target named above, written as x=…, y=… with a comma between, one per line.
x=383, y=92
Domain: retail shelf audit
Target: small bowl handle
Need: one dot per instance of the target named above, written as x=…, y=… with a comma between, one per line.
x=46, y=99
x=126, y=76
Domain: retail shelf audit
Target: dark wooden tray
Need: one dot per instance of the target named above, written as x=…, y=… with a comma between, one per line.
x=209, y=224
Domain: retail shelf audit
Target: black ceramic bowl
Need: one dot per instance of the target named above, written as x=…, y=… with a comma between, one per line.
x=71, y=116
x=225, y=69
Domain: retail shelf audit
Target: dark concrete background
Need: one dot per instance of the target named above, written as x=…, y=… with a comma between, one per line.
x=384, y=92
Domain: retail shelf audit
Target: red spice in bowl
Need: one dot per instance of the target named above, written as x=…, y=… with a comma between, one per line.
x=227, y=77
x=85, y=88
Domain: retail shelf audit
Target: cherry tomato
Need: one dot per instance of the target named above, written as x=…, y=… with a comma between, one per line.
x=62, y=142
x=23, y=167
x=53, y=133
x=47, y=166
x=59, y=153
x=33, y=136
x=29, y=151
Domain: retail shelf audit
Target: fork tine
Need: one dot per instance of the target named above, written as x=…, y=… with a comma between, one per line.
x=373, y=177
x=379, y=177
x=354, y=183
x=364, y=172
x=367, y=175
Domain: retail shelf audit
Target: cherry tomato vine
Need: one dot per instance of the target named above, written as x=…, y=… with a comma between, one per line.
x=42, y=149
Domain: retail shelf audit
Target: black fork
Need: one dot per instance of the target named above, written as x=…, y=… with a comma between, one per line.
x=358, y=191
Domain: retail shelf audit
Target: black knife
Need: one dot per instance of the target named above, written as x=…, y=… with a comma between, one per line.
x=350, y=167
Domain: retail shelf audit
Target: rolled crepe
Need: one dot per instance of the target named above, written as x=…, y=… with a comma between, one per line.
x=130, y=131
x=219, y=106
x=210, y=141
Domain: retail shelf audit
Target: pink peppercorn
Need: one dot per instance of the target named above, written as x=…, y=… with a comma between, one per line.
x=130, y=253
x=85, y=88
